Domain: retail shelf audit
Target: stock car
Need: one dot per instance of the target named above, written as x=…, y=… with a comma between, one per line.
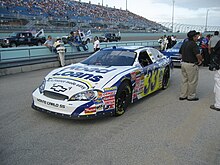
x=104, y=83
x=173, y=54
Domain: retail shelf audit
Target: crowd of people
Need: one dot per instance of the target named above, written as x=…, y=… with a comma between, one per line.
x=56, y=46
x=167, y=42
x=197, y=50
x=63, y=9
x=74, y=40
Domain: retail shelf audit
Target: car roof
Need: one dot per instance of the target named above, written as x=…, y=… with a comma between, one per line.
x=124, y=48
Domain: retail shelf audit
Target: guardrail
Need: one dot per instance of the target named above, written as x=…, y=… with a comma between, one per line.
x=24, y=53
x=12, y=58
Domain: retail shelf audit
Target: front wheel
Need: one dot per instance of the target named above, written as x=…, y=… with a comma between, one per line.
x=123, y=98
x=87, y=41
x=166, y=78
x=39, y=43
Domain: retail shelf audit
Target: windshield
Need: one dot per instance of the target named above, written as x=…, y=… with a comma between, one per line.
x=13, y=35
x=111, y=58
x=177, y=45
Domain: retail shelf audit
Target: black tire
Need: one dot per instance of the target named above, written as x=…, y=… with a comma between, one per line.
x=13, y=44
x=123, y=98
x=166, y=78
x=39, y=43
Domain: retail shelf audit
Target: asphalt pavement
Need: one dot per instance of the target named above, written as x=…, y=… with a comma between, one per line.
x=157, y=130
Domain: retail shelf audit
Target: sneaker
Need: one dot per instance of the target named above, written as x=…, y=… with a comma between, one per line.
x=182, y=98
x=193, y=99
x=213, y=107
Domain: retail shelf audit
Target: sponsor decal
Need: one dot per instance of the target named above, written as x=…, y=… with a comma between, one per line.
x=80, y=72
x=51, y=103
x=58, y=88
x=134, y=95
x=109, y=97
x=109, y=106
x=90, y=69
x=111, y=89
x=90, y=110
x=110, y=93
x=70, y=82
x=133, y=76
x=86, y=76
x=99, y=107
x=109, y=102
x=99, y=95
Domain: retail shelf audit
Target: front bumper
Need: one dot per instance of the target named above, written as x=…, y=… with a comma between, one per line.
x=97, y=115
x=176, y=61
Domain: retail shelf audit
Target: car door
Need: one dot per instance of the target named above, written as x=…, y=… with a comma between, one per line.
x=21, y=38
x=157, y=69
x=28, y=38
x=147, y=65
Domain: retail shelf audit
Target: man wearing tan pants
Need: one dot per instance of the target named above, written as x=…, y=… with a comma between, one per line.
x=191, y=59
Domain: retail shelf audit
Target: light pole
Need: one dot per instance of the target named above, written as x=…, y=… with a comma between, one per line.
x=173, y=15
x=102, y=2
x=206, y=20
x=126, y=5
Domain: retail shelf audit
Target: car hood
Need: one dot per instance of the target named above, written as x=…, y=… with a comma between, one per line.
x=80, y=77
x=172, y=50
x=5, y=38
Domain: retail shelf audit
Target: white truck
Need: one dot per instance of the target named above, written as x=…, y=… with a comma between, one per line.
x=86, y=37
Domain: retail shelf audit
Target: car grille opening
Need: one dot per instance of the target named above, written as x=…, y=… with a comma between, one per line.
x=54, y=95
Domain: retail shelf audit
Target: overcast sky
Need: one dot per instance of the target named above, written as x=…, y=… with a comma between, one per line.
x=192, y=12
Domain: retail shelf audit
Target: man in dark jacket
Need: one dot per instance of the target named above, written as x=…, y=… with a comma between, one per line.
x=191, y=59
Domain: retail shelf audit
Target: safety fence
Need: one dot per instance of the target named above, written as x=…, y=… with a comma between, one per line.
x=10, y=57
x=23, y=59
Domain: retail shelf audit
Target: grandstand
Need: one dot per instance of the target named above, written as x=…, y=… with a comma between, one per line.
x=63, y=15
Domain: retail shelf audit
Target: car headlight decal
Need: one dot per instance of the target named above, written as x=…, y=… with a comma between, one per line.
x=42, y=86
x=84, y=96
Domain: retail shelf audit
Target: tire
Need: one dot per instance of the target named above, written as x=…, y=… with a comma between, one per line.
x=39, y=43
x=122, y=99
x=166, y=78
x=13, y=45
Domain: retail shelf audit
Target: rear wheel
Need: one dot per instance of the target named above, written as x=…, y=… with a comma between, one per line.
x=166, y=78
x=123, y=98
x=39, y=43
x=87, y=41
x=13, y=44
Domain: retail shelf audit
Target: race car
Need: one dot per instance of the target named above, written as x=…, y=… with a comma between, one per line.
x=103, y=84
x=173, y=54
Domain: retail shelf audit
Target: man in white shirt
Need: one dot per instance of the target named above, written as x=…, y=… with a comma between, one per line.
x=49, y=43
x=96, y=44
x=212, y=42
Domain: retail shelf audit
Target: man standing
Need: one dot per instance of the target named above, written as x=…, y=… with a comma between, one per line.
x=96, y=44
x=191, y=59
x=216, y=106
x=212, y=42
x=49, y=43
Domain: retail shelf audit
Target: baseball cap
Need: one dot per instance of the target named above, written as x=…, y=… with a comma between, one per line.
x=192, y=33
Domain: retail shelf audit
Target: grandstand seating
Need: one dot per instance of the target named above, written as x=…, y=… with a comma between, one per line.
x=70, y=11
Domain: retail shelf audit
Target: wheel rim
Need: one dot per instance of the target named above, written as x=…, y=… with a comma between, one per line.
x=122, y=101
